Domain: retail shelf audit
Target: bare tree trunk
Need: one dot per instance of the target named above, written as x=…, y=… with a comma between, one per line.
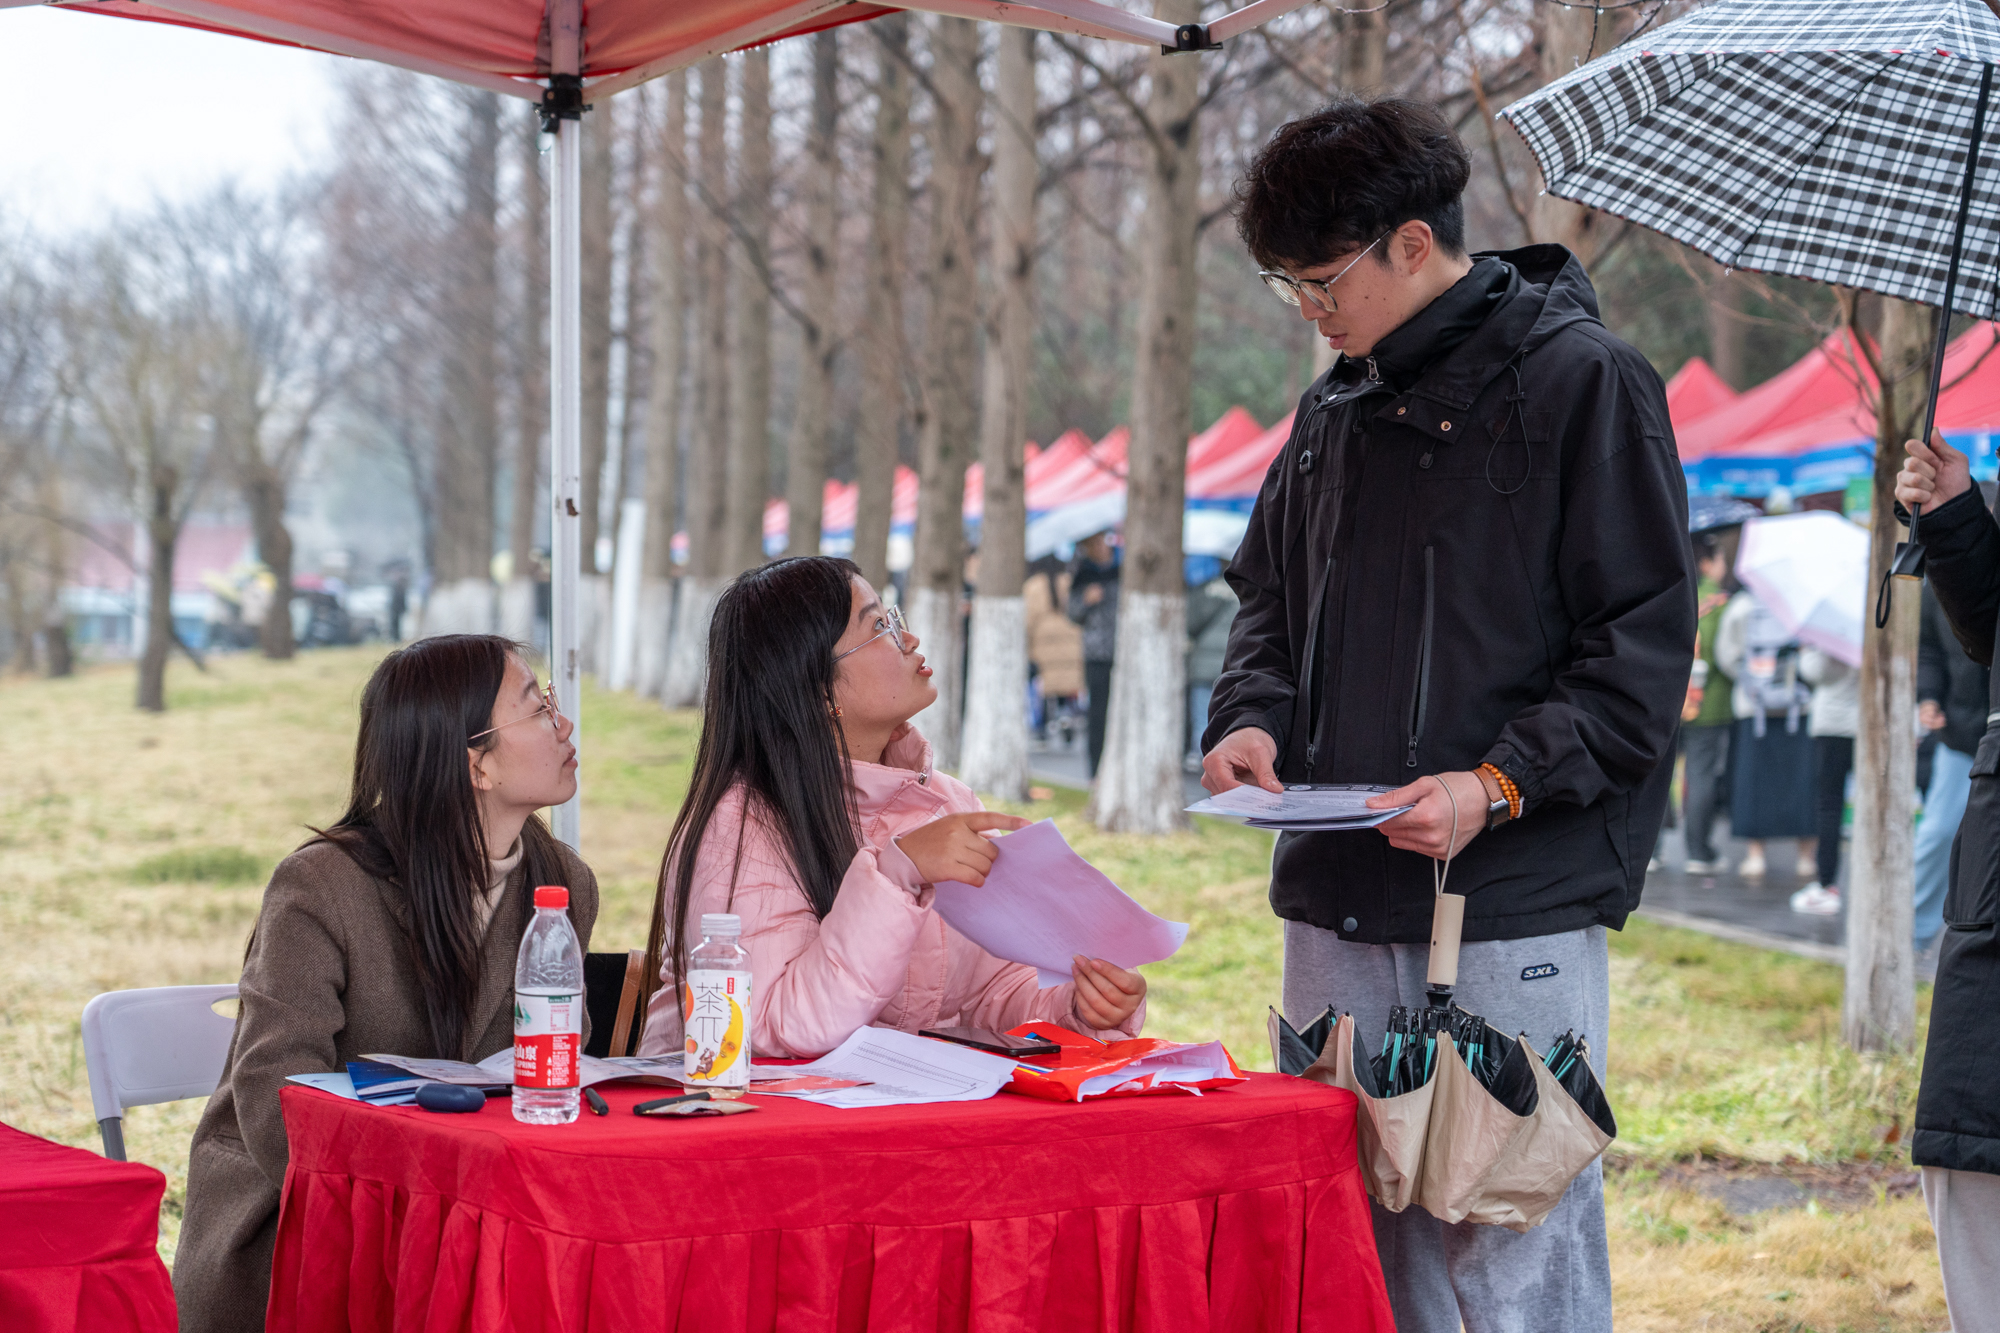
x=668, y=253
x=805, y=468
x=264, y=495
x=1725, y=327
x=1139, y=783
x=878, y=440
x=517, y=599
x=951, y=427
x=1569, y=37
x=994, y=756
x=750, y=378
x=163, y=532
x=462, y=599
x=1364, y=47
x=1878, y=1011
x=708, y=455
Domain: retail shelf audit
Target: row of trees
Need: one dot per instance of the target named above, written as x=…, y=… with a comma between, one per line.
x=915, y=240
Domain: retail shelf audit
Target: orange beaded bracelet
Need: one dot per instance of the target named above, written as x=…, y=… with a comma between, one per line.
x=1508, y=789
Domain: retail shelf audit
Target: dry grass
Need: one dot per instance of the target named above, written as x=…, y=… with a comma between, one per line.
x=133, y=847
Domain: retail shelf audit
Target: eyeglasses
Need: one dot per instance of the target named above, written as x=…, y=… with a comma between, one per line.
x=548, y=708
x=1290, y=289
x=891, y=623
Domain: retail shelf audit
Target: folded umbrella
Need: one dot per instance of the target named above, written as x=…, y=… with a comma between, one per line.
x=1454, y=1117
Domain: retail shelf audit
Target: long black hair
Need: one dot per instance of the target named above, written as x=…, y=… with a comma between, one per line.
x=412, y=815
x=768, y=723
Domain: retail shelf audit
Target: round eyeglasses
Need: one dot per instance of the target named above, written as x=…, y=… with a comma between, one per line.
x=547, y=707
x=891, y=623
x=1319, y=291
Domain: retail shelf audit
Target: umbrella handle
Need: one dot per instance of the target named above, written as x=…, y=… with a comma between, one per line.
x=1447, y=926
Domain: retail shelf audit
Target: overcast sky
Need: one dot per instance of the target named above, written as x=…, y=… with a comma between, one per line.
x=110, y=113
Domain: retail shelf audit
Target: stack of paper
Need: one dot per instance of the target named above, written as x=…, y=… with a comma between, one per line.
x=886, y=1067
x=1042, y=904
x=1301, y=807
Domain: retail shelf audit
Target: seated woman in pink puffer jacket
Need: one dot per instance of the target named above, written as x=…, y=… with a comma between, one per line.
x=815, y=816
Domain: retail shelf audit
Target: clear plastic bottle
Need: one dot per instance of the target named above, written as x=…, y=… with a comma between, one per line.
x=716, y=1007
x=548, y=1014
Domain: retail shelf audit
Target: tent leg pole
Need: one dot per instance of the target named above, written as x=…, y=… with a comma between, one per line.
x=566, y=440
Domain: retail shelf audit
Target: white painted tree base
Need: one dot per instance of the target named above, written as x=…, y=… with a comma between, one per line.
x=654, y=634
x=462, y=606
x=593, y=625
x=933, y=616
x=517, y=612
x=993, y=754
x=1879, y=999
x=1138, y=786
x=687, y=654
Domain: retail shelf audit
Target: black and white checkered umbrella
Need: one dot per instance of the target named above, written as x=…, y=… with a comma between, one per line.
x=1819, y=139
x=1839, y=140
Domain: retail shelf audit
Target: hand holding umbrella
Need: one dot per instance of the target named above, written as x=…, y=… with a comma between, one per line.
x=1933, y=474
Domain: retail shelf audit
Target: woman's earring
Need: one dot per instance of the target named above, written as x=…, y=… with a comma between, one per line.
x=833, y=711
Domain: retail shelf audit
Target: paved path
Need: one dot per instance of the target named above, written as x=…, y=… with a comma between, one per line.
x=1724, y=905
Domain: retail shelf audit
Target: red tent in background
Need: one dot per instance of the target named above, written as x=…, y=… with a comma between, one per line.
x=1094, y=470
x=1236, y=476
x=1830, y=375
x=1231, y=431
x=1968, y=405
x=1694, y=392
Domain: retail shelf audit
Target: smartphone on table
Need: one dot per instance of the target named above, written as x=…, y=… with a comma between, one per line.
x=998, y=1043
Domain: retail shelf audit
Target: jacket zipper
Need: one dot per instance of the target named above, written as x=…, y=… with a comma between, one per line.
x=1423, y=687
x=1312, y=669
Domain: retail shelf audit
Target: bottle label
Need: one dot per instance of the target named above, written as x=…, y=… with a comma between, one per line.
x=548, y=1039
x=717, y=1019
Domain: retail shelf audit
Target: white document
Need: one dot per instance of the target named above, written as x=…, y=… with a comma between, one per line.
x=902, y=1069
x=1042, y=904
x=1301, y=806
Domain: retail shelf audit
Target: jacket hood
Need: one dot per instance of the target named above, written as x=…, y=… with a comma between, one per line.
x=1567, y=296
x=907, y=759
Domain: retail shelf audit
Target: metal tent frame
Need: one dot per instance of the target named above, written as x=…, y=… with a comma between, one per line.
x=563, y=93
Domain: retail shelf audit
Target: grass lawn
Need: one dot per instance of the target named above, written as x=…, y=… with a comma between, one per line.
x=135, y=846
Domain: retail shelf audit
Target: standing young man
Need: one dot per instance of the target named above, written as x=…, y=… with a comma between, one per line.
x=1468, y=577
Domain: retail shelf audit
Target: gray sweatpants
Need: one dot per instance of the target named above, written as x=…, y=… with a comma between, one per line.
x=1965, y=1212
x=1557, y=1276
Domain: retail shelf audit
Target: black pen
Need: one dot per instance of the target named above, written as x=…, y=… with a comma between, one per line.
x=597, y=1102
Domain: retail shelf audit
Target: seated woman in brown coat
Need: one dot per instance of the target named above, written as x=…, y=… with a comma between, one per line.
x=393, y=930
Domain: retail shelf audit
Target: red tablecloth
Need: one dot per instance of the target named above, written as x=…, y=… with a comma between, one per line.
x=1241, y=1210
x=79, y=1240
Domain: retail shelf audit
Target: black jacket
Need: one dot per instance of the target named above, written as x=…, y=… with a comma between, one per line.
x=1496, y=567
x=1958, y=1101
x=1955, y=682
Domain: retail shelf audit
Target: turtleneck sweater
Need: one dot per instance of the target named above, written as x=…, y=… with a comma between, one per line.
x=487, y=901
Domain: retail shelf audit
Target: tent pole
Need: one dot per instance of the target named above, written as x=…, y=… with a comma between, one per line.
x=562, y=115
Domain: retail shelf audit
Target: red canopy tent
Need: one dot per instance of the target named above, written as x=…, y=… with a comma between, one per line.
x=543, y=51
x=1832, y=374
x=1695, y=391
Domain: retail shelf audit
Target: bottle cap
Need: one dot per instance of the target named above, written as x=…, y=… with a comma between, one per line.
x=721, y=923
x=552, y=895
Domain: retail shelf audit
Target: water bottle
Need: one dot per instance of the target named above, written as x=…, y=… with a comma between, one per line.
x=717, y=1005
x=548, y=1014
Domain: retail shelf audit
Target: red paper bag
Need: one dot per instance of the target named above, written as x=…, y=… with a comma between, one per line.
x=1131, y=1068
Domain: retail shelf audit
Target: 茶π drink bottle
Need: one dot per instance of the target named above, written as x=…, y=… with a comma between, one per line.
x=716, y=1005
x=548, y=1014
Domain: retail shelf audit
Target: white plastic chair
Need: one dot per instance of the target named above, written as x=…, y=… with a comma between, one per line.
x=161, y=1044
